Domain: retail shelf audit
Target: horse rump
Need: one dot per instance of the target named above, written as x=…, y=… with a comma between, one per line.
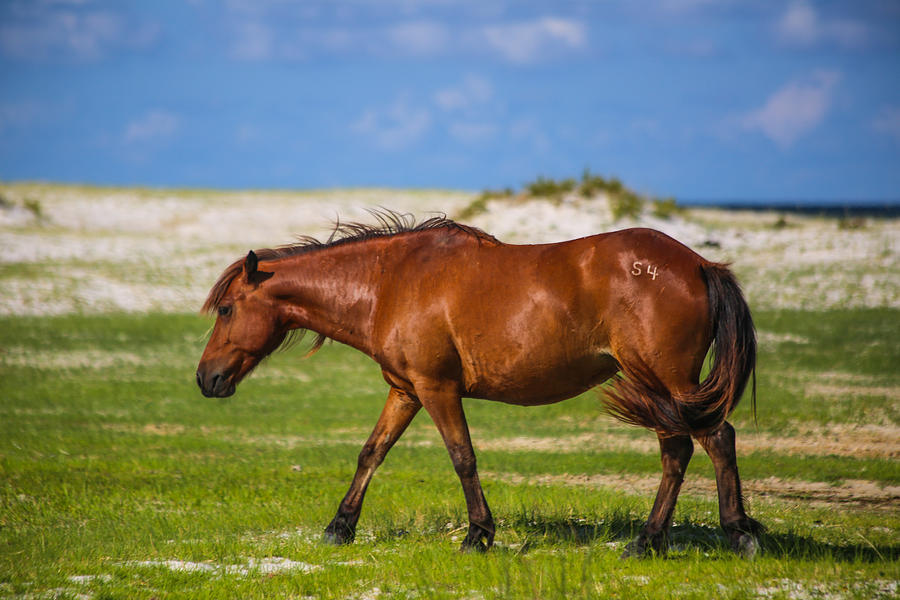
x=638, y=397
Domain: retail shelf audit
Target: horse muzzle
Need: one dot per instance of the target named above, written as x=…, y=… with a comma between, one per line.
x=214, y=385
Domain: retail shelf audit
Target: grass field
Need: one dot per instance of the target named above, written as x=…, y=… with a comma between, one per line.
x=119, y=480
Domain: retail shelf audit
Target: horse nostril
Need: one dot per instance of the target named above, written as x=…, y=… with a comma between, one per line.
x=216, y=382
x=199, y=380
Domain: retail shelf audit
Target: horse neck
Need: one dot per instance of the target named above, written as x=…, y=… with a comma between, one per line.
x=332, y=291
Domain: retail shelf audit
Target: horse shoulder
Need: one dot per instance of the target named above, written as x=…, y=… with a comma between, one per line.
x=412, y=332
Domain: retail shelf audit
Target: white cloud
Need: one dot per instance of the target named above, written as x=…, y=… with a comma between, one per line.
x=248, y=133
x=801, y=25
x=472, y=109
x=18, y=114
x=472, y=132
x=692, y=48
x=396, y=127
x=260, y=33
x=887, y=122
x=156, y=125
x=81, y=36
x=253, y=41
x=529, y=41
x=473, y=90
x=419, y=37
x=527, y=130
x=44, y=31
x=258, y=40
x=795, y=109
x=684, y=6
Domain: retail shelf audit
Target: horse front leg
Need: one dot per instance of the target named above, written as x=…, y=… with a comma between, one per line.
x=675, y=453
x=742, y=531
x=446, y=411
x=398, y=411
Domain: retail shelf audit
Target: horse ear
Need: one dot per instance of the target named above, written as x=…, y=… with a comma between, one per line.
x=251, y=263
x=251, y=269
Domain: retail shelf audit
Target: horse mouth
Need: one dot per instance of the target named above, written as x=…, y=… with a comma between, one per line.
x=224, y=393
x=217, y=386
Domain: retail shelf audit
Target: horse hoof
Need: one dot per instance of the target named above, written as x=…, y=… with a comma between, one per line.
x=477, y=547
x=636, y=548
x=746, y=546
x=644, y=546
x=333, y=538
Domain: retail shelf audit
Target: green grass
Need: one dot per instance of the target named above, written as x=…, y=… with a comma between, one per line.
x=112, y=464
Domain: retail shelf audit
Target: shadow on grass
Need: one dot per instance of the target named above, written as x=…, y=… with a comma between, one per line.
x=791, y=545
x=540, y=530
x=544, y=530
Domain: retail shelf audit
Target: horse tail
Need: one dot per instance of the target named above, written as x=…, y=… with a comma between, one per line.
x=642, y=399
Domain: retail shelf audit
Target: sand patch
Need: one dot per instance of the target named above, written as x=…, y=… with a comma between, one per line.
x=841, y=385
x=836, y=390
x=163, y=429
x=72, y=359
x=803, y=590
x=158, y=429
x=852, y=491
x=584, y=442
x=769, y=340
x=852, y=441
x=335, y=437
x=263, y=566
x=855, y=441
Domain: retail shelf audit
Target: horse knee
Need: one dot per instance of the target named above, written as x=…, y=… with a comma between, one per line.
x=369, y=457
x=463, y=462
x=465, y=467
x=721, y=443
x=676, y=456
x=723, y=437
x=674, y=469
x=726, y=433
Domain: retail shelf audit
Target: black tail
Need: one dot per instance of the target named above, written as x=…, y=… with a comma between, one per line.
x=641, y=399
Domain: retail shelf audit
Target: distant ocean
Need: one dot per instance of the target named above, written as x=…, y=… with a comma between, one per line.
x=829, y=208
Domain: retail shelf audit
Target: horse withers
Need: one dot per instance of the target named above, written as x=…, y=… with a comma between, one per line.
x=448, y=311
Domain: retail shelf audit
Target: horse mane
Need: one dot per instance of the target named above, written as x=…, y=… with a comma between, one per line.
x=389, y=223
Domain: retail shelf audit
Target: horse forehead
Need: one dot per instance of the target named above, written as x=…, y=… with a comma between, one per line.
x=249, y=302
x=235, y=292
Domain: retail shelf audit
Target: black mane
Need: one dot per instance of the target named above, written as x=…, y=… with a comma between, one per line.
x=388, y=223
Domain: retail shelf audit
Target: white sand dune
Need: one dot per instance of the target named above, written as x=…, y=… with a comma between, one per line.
x=74, y=249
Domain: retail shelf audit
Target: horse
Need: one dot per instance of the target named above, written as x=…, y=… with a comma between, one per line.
x=448, y=311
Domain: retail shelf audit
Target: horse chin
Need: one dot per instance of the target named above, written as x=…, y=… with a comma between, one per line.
x=227, y=392
x=219, y=392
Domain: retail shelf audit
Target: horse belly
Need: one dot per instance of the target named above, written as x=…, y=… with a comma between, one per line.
x=541, y=381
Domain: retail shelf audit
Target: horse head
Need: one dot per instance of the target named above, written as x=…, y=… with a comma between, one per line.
x=247, y=328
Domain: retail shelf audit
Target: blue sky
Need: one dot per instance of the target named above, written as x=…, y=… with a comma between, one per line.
x=698, y=99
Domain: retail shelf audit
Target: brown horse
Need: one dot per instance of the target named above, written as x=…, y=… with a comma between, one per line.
x=448, y=311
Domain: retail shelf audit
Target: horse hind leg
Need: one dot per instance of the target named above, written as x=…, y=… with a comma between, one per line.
x=398, y=411
x=675, y=452
x=643, y=401
x=742, y=531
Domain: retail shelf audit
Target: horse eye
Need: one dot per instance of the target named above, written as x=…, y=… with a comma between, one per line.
x=224, y=311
